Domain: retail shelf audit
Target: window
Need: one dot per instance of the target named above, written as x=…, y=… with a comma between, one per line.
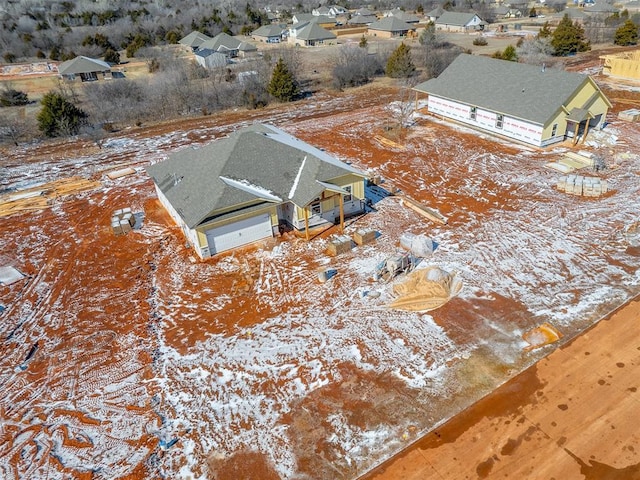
x=499, y=121
x=348, y=198
x=472, y=113
x=316, y=207
x=554, y=130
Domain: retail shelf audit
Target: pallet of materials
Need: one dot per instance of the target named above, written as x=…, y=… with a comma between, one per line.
x=583, y=186
x=339, y=244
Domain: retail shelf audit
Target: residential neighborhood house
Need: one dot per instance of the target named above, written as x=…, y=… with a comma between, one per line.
x=309, y=34
x=194, y=40
x=269, y=33
x=88, y=69
x=243, y=188
x=229, y=46
x=460, y=22
x=389, y=27
x=526, y=103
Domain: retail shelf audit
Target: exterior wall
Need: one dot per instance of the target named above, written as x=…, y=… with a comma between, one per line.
x=190, y=234
x=626, y=65
x=383, y=34
x=273, y=39
x=599, y=108
x=517, y=129
x=312, y=43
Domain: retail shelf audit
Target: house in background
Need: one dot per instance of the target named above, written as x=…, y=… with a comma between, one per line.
x=194, y=40
x=311, y=35
x=389, y=27
x=242, y=188
x=229, y=46
x=526, y=103
x=402, y=15
x=269, y=33
x=435, y=14
x=460, y=22
x=88, y=69
x=323, y=20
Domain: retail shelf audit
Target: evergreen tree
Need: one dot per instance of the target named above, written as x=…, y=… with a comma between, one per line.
x=400, y=64
x=510, y=54
x=59, y=116
x=282, y=85
x=363, y=42
x=111, y=56
x=545, y=31
x=627, y=34
x=569, y=38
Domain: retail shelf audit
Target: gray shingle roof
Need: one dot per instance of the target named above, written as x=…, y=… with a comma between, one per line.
x=527, y=92
x=390, y=24
x=221, y=43
x=268, y=31
x=460, y=19
x=313, y=32
x=257, y=164
x=194, y=39
x=82, y=65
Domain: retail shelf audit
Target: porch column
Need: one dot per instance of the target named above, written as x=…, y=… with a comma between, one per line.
x=306, y=223
x=586, y=131
x=341, y=213
x=575, y=132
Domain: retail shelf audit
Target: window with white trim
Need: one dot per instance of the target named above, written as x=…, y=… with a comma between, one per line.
x=316, y=207
x=472, y=113
x=554, y=129
x=348, y=198
x=499, y=121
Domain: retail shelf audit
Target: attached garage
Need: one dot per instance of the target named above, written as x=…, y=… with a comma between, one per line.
x=239, y=233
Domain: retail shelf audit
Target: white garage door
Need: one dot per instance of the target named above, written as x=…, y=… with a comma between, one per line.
x=239, y=233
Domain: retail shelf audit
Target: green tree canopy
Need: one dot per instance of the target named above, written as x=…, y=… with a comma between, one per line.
x=59, y=116
x=545, y=31
x=569, y=38
x=626, y=34
x=400, y=64
x=282, y=85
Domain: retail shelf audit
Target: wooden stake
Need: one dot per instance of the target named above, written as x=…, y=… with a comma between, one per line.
x=341, y=214
x=306, y=223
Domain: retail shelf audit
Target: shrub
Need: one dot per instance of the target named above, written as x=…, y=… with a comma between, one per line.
x=480, y=41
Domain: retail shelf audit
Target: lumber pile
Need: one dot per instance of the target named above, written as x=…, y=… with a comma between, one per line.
x=423, y=210
x=385, y=142
x=43, y=196
x=364, y=236
x=339, y=244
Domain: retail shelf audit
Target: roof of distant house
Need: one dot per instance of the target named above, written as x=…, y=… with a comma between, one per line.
x=194, y=39
x=455, y=18
x=82, y=65
x=313, y=31
x=390, y=24
x=268, y=31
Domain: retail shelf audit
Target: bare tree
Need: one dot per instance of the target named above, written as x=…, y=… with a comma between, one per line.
x=15, y=125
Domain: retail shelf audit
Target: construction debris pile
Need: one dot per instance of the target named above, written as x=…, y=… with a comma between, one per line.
x=44, y=195
x=426, y=289
x=632, y=234
x=584, y=186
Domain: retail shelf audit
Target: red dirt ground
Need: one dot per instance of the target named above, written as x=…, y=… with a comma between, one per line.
x=103, y=310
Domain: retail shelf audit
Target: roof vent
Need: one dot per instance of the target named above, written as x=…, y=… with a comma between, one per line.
x=544, y=67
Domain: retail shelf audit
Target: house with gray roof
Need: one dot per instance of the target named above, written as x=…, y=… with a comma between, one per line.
x=88, y=69
x=460, y=22
x=228, y=45
x=269, y=33
x=526, y=103
x=210, y=59
x=435, y=14
x=312, y=35
x=322, y=20
x=194, y=40
x=244, y=187
x=389, y=27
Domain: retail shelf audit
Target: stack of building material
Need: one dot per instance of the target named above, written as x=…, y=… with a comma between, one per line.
x=584, y=186
x=632, y=115
x=339, y=244
x=122, y=221
x=364, y=236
